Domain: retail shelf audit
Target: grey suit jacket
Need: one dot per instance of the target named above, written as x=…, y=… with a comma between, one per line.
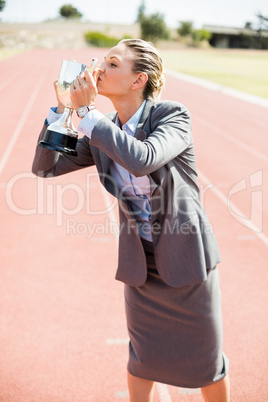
x=162, y=148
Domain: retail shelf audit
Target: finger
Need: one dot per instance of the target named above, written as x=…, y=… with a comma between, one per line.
x=82, y=76
x=77, y=83
x=80, y=80
x=96, y=74
x=87, y=76
x=56, y=87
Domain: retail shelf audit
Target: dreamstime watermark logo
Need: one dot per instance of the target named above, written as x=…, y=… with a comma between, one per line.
x=50, y=198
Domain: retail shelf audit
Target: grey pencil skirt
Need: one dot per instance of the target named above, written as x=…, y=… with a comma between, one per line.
x=175, y=333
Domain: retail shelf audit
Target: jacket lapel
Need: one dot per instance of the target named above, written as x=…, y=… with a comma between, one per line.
x=140, y=133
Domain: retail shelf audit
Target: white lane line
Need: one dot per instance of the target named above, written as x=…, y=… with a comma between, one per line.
x=163, y=392
x=189, y=391
x=257, y=100
x=122, y=394
x=100, y=239
x=245, y=237
x=240, y=217
x=229, y=137
x=21, y=122
x=117, y=341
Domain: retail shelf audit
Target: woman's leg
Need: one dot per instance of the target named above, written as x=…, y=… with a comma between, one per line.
x=218, y=392
x=140, y=390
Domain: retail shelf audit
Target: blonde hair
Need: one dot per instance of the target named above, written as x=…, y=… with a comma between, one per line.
x=146, y=59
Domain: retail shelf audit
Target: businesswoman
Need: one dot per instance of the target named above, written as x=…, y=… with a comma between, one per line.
x=168, y=254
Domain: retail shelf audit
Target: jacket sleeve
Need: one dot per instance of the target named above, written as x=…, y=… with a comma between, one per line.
x=49, y=163
x=170, y=135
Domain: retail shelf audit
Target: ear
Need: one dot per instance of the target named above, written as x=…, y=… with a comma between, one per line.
x=140, y=81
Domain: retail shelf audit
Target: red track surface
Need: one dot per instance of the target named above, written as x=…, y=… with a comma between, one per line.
x=63, y=336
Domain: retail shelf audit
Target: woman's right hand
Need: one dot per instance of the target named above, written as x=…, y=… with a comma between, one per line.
x=61, y=107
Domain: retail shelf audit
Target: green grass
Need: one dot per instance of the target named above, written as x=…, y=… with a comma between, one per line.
x=6, y=53
x=245, y=70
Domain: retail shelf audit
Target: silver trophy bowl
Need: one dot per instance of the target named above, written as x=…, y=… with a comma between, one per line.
x=61, y=136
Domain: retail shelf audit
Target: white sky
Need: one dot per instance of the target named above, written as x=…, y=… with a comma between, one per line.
x=217, y=12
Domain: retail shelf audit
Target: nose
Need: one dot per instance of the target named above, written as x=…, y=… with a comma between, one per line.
x=102, y=67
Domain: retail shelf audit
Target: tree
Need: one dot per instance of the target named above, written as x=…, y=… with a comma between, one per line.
x=2, y=5
x=141, y=12
x=185, y=28
x=262, y=27
x=248, y=25
x=263, y=22
x=68, y=11
x=199, y=35
x=154, y=28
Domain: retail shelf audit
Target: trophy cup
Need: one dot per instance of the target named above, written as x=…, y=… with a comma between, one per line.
x=61, y=136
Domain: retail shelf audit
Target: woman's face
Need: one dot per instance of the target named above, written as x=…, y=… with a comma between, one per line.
x=116, y=76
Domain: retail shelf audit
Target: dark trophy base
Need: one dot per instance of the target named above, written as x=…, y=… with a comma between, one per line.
x=59, y=142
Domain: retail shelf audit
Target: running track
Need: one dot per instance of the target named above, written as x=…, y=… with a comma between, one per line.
x=62, y=328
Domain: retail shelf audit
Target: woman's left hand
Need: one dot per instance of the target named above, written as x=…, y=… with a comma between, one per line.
x=84, y=90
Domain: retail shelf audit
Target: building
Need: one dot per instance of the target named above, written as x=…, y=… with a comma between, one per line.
x=229, y=37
